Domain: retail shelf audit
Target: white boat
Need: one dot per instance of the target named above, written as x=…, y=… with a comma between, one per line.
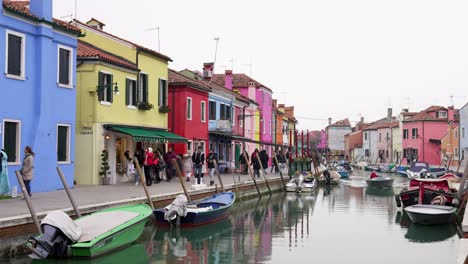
x=428, y=214
x=380, y=182
x=298, y=184
x=418, y=170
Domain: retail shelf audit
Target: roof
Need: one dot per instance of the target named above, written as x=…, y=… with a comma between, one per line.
x=97, y=21
x=87, y=51
x=341, y=123
x=239, y=80
x=424, y=115
x=177, y=79
x=383, y=123
x=138, y=46
x=21, y=8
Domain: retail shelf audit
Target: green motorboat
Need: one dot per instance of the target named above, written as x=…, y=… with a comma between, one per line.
x=89, y=236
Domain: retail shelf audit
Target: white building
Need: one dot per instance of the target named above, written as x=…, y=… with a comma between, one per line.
x=336, y=135
x=463, y=136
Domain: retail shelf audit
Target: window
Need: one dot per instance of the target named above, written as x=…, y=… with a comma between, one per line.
x=233, y=115
x=367, y=153
x=456, y=133
x=405, y=134
x=105, y=93
x=190, y=146
x=63, y=143
x=15, y=54
x=463, y=132
x=203, y=111
x=414, y=133
x=387, y=139
x=11, y=140
x=380, y=137
x=162, y=92
x=224, y=112
x=189, y=108
x=228, y=112
x=365, y=137
x=143, y=88
x=442, y=114
x=130, y=92
x=212, y=110
x=456, y=152
x=65, y=58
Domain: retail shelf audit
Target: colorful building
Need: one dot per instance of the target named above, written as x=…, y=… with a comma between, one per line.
x=122, y=103
x=188, y=98
x=463, y=136
x=335, y=136
x=450, y=147
x=38, y=93
x=278, y=130
x=423, y=132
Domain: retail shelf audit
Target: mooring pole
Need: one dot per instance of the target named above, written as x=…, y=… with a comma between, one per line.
x=251, y=174
x=264, y=174
x=176, y=166
x=275, y=160
x=28, y=201
x=65, y=185
x=219, y=176
x=143, y=182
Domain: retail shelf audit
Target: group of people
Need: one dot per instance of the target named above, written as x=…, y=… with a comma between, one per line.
x=259, y=159
x=26, y=171
x=154, y=164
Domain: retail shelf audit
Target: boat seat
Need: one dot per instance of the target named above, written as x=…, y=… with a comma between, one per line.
x=97, y=224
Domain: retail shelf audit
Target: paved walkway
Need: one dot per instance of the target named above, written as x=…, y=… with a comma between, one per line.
x=99, y=194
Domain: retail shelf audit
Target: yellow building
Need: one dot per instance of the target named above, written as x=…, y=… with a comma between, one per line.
x=121, y=102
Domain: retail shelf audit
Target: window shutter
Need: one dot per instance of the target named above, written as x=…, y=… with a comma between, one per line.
x=14, y=55
x=110, y=88
x=160, y=93
x=100, y=86
x=127, y=91
x=134, y=93
x=145, y=89
x=64, y=66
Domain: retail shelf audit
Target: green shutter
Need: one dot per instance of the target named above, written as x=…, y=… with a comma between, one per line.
x=127, y=92
x=145, y=89
x=110, y=92
x=100, y=87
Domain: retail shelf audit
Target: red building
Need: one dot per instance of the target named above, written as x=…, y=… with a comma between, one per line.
x=188, y=101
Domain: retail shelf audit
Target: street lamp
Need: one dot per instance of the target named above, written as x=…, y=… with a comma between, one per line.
x=100, y=88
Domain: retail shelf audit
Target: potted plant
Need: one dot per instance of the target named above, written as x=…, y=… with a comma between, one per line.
x=105, y=168
x=145, y=106
x=164, y=109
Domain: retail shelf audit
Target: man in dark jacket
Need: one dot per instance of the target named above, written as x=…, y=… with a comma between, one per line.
x=212, y=156
x=264, y=159
x=255, y=163
x=244, y=160
x=170, y=170
x=198, y=159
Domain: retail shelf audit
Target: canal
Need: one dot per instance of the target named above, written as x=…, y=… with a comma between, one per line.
x=348, y=223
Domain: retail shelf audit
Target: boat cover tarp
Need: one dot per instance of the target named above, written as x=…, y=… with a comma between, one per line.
x=63, y=222
x=221, y=198
x=418, y=166
x=99, y=223
x=177, y=207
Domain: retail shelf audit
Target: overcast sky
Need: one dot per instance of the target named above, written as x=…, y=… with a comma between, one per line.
x=328, y=58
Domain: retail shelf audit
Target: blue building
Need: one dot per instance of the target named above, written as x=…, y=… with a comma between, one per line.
x=37, y=91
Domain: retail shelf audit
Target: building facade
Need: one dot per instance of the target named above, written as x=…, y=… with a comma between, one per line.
x=463, y=113
x=38, y=91
x=336, y=136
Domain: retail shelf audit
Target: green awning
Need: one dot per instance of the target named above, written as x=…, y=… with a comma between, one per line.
x=149, y=135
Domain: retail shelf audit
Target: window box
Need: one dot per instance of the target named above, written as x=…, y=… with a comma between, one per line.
x=145, y=106
x=164, y=109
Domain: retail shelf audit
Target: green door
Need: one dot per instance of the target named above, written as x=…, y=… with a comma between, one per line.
x=237, y=154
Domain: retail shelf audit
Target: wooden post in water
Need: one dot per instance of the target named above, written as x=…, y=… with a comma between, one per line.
x=28, y=201
x=251, y=174
x=264, y=174
x=176, y=166
x=143, y=182
x=275, y=160
x=219, y=176
x=65, y=185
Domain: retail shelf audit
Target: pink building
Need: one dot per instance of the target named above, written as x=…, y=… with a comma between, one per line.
x=423, y=132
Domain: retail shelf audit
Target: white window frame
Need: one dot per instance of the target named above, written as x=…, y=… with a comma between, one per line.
x=190, y=150
x=442, y=112
x=203, y=111
x=130, y=106
x=105, y=102
x=70, y=64
x=233, y=115
x=18, y=143
x=68, y=161
x=23, y=53
x=189, y=108
x=164, y=91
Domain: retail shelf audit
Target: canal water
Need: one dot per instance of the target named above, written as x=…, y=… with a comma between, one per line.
x=348, y=223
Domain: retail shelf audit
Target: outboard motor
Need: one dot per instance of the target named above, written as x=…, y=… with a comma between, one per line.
x=327, y=176
x=177, y=209
x=423, y=173
x=58, y=232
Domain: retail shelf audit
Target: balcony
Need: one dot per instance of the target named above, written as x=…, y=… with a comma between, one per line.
x=220, y=126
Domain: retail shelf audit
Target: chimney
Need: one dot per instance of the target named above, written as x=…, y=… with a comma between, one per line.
x=41, y=8
x=389, y=114
x=208, y=68
x=451, y=113
x=228, y=79
x=94, y=23
x=405, y=110
x=329, y=121
x=362, y=120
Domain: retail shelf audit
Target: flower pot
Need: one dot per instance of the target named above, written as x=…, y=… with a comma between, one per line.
x=106, y=181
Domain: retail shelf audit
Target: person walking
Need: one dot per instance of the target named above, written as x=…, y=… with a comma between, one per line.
x=264, y=160
x=198, y=159
x=244, y=161
x=188, y=166
x=27, y=168
x=149, y=161
x=131, y=167
x=4, y=181
x=170, y=170
x=212, y=156
x=156, y=167
x=255, y=163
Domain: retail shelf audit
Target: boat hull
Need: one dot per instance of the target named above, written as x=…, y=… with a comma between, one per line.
x=431, y=214
x=411, y=197
x=306, y=187
x=380, y=183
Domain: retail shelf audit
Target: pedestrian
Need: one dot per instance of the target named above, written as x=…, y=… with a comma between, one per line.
x=168, y=157
x=149, y=161
x=244, y=161
x=131, y=170
x=4, y=181
x=27, y=169
x=156, y=167
x=198, y=159
x=212, y=157
x=264, y=160
x=255, y=163
x=188, y=166
x=179, y=164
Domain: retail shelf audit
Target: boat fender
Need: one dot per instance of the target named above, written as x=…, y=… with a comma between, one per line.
x=455, y=202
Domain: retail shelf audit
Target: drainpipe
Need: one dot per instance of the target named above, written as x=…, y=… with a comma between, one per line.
x=424, y=153
x=243, y=120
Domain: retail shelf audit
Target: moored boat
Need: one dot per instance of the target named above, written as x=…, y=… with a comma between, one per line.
x=197, y=213
x=301, y=184
x=432, y=189
x=418, y=169
x=91, y=235
x=428, y=214
x=380, y=182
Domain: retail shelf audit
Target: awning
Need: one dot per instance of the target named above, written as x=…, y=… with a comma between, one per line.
x=148, y=134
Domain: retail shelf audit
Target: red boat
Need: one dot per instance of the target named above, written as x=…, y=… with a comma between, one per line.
x=432, y=188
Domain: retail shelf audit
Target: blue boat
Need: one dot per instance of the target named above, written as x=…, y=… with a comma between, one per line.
x=197, y=213
x=344, y=173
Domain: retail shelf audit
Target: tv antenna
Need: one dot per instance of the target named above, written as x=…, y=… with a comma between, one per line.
x=159, y=43
x=216, y=49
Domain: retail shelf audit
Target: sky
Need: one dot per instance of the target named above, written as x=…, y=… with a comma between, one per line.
x=334, y=58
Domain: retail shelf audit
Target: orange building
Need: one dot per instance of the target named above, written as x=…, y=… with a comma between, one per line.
x=449, y=146
x=278, y=114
